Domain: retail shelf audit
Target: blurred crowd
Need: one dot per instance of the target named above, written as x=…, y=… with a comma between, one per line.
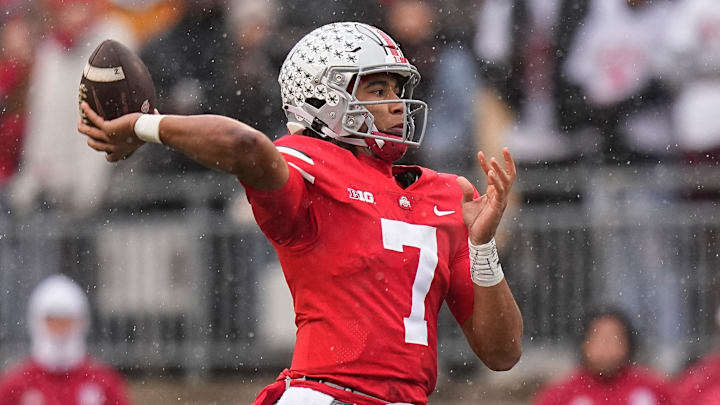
x=560, y=82
x=609, y=370
x=564, y=83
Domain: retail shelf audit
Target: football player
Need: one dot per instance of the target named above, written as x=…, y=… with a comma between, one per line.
x=370, y=250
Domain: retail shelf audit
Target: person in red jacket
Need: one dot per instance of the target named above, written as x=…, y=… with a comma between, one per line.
x=16, y=37
x=607, y=374
x=59, y=370
x=699, y=384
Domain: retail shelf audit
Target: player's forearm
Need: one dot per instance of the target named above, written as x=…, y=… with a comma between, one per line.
x=214, y=141
x=227, y=145
x=496, y=327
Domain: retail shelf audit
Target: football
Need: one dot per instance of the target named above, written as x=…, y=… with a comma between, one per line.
x=116, y=82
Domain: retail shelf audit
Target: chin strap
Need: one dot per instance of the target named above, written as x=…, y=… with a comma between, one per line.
x=387, y=151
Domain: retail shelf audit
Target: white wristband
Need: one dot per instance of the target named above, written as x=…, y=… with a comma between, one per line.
x=147, y=127
x=485, y=268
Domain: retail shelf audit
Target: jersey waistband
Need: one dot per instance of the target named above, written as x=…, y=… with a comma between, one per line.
x=340, y=387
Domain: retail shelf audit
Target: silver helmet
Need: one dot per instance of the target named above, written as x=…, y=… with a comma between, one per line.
x=320, y=77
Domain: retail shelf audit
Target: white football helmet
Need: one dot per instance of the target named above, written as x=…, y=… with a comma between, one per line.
x=320, y=77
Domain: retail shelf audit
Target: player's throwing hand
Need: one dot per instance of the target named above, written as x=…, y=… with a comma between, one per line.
x=116, y=137
x=482, y=215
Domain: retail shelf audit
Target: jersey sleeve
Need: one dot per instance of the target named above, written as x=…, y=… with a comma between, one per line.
x=285, y=215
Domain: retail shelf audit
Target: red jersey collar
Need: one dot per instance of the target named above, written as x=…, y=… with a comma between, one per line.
x=387, y=169
x=376, y=163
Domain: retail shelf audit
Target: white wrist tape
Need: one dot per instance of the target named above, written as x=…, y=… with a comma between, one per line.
x=485, y=268
x=147, y=127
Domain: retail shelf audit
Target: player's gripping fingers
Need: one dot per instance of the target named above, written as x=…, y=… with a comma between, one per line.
x=97, y=120
x=93, y=132
x=468, y=191
x=100, y=146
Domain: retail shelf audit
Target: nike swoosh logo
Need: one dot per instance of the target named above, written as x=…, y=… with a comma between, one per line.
x=442, y=213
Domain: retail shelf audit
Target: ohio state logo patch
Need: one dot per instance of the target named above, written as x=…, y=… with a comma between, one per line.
x=404, y=203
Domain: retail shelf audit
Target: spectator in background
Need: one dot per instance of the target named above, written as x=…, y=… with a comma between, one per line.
x=148, y=18
x=449, y=80
x=299, y=17
x=608, y=374
x=59, y=370
x=692, y=63
x=17, y=37
x=613, y=61
x=521, y=45
x=248, y=89
x=525, y=101
x=413, y=24
x=52, y=154
x=193, y=69
x=700, y=383
x=186, y=63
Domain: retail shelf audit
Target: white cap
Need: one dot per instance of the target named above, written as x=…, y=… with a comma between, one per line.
x=58, y=296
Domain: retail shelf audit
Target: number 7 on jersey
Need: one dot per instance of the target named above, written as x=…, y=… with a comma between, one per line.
x=397, y=234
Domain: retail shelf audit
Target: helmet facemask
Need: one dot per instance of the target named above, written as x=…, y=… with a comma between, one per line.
x=320, y=94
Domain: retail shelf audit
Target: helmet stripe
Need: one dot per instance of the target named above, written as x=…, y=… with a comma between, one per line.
x=391, y=46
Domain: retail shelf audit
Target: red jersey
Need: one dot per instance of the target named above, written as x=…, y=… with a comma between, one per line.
x=368, y=264
x=90, y=383
x=632, y=386
x=700, y=384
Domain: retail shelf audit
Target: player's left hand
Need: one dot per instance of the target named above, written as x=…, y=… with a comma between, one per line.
x=482, y=215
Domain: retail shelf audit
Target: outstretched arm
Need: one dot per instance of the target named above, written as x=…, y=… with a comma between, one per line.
x=495, y=328
x=215, y=141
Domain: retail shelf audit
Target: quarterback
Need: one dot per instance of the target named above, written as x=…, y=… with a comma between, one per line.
x=370, y=250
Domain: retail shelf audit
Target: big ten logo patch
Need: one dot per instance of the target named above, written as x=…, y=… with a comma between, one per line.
x=364, y=196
